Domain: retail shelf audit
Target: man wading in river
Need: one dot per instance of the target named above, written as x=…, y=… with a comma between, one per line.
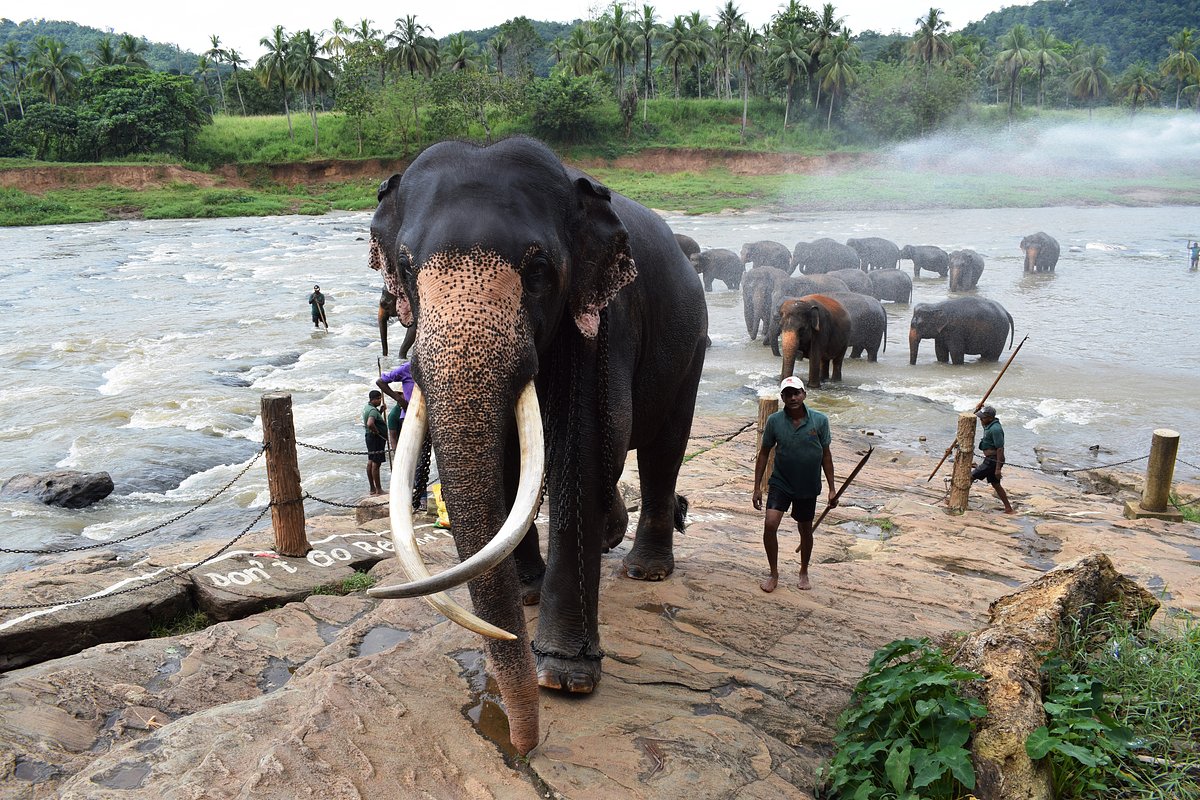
x=801, y=438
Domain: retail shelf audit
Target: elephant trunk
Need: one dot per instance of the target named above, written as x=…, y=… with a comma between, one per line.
x=748, y=309
x=914, y=342
x=383, y=326
x=790, y=344
x=1031, y=254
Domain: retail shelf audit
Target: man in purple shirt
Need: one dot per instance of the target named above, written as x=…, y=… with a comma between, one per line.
x=395, y=421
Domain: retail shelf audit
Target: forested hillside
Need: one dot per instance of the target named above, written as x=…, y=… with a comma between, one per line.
x=83, y=39
x=1132, y=31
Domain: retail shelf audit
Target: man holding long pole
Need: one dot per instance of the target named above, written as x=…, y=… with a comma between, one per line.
x=800, y=436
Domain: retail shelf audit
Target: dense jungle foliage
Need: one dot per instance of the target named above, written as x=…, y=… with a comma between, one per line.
x=623, y=80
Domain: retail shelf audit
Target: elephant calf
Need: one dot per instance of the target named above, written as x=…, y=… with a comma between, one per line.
x=720, y=264
x=965, y=268
x=758, y=287
x=1041, y=252
x=688, y=245
x=766, y=253
x=928, y=257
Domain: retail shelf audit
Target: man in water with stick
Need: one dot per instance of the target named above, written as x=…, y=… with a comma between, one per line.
x=317, y=301
x=800, y=436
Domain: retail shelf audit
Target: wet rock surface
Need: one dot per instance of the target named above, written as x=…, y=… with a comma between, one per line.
x=710, y=687
x=63, y=488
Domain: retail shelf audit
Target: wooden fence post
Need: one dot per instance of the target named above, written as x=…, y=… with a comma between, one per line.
x=283, y=475
x=960, y=479
x=766, y=407
x=1160, y=470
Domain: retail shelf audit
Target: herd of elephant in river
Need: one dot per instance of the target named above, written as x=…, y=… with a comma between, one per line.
x=821, y=299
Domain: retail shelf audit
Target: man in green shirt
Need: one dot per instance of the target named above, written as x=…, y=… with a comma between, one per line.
x=800, y=436
x=992, y=445
x=375, y=435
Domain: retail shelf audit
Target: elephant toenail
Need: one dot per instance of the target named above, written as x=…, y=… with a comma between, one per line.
x=580, y=684
x=549, y=679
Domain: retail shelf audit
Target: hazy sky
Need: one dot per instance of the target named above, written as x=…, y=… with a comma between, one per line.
x=241, y=24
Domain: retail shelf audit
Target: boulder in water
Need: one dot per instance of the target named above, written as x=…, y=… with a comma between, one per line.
x=63, y=488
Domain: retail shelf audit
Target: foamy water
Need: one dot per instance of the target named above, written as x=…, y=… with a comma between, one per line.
x=143, y=348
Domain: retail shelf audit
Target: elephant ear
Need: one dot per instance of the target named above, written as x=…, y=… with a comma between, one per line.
x=815, y=318
x=602, y=261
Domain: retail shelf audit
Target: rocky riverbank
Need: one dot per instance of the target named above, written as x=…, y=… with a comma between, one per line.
x=710, y=688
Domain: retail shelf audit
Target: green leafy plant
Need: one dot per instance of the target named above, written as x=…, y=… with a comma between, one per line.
x=359, y=581
x=1083, y=740
x=905, y=732
x=189, y=622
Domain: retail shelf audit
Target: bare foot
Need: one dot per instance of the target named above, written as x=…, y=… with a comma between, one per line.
x=803, y=582
x=770, y=583
x=1010, y=511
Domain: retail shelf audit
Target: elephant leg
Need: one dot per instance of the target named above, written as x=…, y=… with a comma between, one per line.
x=618, y=522
x=708, y=281
x=531, y=568
x=837, y=366
x=652, y=556
x=941, y=350
x=873, y=354
x=856, y=351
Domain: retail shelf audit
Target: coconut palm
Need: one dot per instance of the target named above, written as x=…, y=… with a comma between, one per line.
x=368, y=37
x=498, y=44
x=1089, y=81
x=646, y=30
x=105, y=53
x=1181, y=64
x=215, y=56
x=203, y=67
x=338, y=39
x=789, y=53
x=133, y=51
x=414, y=51
x=52, y=69
x=1137, y=86
x=460, y=54
x=557, y=49
x=13, y=59
x=930, y=45
x=235, y=60
x=615, y=42
x=1015, y=54
x=1045, y=56
x=828, y=28
x=676, y=50
x=837, y=73
x=311, y=73
x=272, y=68
x=729, y=24
x=579, y=53
x=702, y=46
x=748, y=50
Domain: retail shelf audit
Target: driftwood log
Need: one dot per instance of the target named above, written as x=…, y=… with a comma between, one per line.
x=1009, y=651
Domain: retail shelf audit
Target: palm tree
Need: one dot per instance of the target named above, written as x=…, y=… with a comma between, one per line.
x=368, y=37
x=216, y=55
x=579, y=53
x=1016, y=53
x=1181, y=64
x=646, y=30
x=702, y=46
x=1137, y=86
x=826, y=31
x=311, y=73
x=557, y=49
x=235, y=60
x=338, y=40
x=676, y=51
x=272, y=68
x=1089, y=81
x=747, y=51
x=414, y=51
x=837, y=73
x=53, y=69
x=930, y=44
x=105, y=54
x=11, y=57
x=1045, y=56
x=201, y=73
x=498, y=44
x=133, y=51
x=616, y=42
x=459, y=54
x=789, y=54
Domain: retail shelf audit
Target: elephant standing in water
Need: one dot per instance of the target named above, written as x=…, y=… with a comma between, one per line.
x=766, y=253
x=961, y=326
x=758, y=287
x=868, y=323
x=855, y=279
x=965, y=268
x=875, y=253
x=890, y=284
x=823, y=255
x=926, y=257
x=1041, y=252
x=539, y=298
x=719, y=264
x=687, y=244
x=818, y=327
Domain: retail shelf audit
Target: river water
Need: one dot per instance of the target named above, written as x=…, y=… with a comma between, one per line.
x=143, y=348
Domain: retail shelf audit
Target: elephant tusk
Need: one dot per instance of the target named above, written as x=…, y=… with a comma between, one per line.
x=529, y=490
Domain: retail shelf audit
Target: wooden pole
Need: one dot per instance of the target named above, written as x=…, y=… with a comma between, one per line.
x=960, y=479
x=1160, y=469
x=766, y=407
x=283, y=475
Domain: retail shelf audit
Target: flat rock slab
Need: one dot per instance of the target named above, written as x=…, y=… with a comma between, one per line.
x=710, y=687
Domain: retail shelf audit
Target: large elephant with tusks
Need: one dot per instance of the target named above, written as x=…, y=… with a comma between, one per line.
x=559, y=325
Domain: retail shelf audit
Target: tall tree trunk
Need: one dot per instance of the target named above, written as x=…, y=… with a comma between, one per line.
x=288, y=113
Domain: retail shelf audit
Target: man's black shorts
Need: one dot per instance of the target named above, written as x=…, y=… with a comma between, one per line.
x=803, y=509
x=986, y=471
x=376, y=448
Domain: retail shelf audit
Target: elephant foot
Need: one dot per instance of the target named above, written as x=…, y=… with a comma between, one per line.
x=574, y=675
x=645, y=568
x=531, y=589
x=618, y=523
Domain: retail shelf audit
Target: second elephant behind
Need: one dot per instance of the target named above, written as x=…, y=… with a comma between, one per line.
x=965, y=268
x=959, y=327
x=720, y=264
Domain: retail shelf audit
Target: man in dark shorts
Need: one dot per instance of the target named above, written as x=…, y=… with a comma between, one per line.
x=800, y=436
x=992, y=445
x=375, y=429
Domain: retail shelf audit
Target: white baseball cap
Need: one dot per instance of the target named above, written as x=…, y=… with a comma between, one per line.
x=791, y=382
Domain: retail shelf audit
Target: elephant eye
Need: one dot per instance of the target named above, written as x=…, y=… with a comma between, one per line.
x=535, y=274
